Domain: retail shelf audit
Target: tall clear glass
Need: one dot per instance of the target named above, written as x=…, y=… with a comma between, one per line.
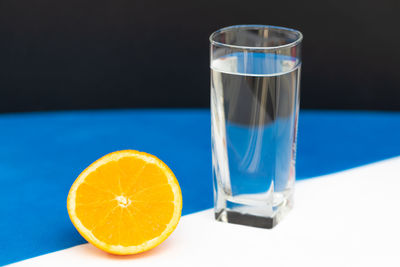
x=255, y=81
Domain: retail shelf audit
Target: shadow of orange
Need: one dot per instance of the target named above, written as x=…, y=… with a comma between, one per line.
x=95, y=252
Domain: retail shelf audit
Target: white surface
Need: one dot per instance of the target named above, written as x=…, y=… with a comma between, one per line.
x=351, y=218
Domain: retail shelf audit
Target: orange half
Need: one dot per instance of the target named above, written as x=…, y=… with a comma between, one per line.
x=126, y=202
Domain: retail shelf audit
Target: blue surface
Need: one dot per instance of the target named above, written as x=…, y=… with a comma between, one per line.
x=41, y=154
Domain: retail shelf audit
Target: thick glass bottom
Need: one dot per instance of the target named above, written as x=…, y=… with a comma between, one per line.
x=251, y=215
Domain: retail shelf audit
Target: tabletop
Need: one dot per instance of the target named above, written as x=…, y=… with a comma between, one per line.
x=42, y=153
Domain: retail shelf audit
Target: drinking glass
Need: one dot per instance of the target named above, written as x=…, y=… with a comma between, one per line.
x=255, y=79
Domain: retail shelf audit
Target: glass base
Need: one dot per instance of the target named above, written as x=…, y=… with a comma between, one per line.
x=251, y=215
x=245, y=219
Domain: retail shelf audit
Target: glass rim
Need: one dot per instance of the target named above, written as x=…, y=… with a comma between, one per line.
x=256, y=26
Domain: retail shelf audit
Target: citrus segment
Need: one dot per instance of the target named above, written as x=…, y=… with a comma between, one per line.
x=126, y=202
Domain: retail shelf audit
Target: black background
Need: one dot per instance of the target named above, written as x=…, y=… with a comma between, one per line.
x=69, y=54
